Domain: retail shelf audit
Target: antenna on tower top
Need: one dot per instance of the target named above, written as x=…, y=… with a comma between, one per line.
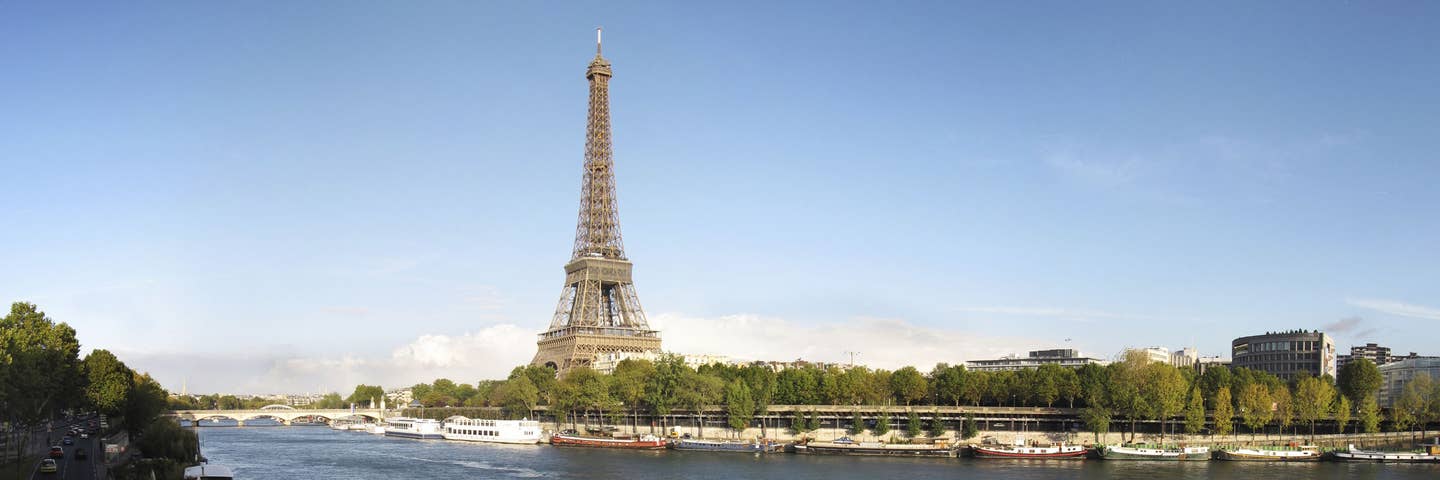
x=597, y=40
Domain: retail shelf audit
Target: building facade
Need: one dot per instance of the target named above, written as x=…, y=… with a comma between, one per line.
x=606, y=362
x=1065, y=357
x=1286, y=354
x=1373, y=352
x=1185, y=358
x=1395, y=375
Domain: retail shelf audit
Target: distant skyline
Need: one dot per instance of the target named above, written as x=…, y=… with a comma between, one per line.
x=283, y=197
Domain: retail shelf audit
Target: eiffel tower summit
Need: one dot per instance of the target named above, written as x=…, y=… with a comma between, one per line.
x=598, y=310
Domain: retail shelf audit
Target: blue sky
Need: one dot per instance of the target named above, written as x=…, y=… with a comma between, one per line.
x=301, y=196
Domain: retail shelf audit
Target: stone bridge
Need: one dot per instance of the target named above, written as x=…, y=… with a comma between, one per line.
x=283, y=413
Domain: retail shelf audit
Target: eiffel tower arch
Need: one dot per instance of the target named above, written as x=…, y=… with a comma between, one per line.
x=598, y=311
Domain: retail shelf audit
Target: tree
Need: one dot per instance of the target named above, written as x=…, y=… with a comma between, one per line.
x=1044, y=383
x=1214, y=378
x=1359, y=379
x=1224, y=411
x=798, y=386
x=1342, y=412
x=908, y=385
x=882, y=423
x=1255, y=406
x=1195, y=411
x=1125, y=393
x=1411, y=408
x=1096, y=419
x=1313, y=398
x=857, y=424
x=912, y=425
x=1284, y=408
x=948, y=383
x=937, y=425
x=1165, y=393
x=1067, y=383
x=627, y=383
x=1370, y=415
x=107, y=381
x=739, y=405
x=364, y=394
x=145, y=402
x=516, y=395
x=969, y=430
x=797, y=422
x=41, y=370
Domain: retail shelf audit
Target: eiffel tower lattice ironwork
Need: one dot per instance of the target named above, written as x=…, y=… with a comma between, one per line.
x=598, y=311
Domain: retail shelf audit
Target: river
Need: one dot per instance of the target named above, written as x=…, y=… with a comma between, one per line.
x=321, y=453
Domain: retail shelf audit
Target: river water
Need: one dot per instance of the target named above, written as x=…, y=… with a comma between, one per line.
x=321, y=453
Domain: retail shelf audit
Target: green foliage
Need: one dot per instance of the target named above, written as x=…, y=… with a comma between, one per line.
x=1341, y=411
x=882, y=424
x=1096, y=420
x=857, y=424
x=516, y=397
x=1255, y=404
x=107, y=382
x=970, y=429
x=164, y=438
x=1359, y=379
x=1413, y=405
x=739, y=405
x=1370, y=415
x=1284, y=412
x=146, y=401
x=937, y=425
x=947, y=383
x=1164, y=391
x=798, y=386
x=908, y=385
x=328, y=401
x=1313, y=399
x=1224, y=411
x=912, y=425
x=1195, y=411
x=1212, y=381
x=365, y=394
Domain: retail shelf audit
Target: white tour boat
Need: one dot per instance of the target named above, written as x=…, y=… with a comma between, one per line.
x=406, y=427
x=494, y=431
x=1357, y=455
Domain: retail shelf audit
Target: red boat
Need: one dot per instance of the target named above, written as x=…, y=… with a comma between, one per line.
x=647, y=442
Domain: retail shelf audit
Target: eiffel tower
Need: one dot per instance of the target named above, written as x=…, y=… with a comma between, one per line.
x=598, y=310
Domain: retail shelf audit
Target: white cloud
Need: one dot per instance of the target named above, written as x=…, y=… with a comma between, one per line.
x=1394, y=307
x=1100, y=173
x=881, y=343
x=492, y=351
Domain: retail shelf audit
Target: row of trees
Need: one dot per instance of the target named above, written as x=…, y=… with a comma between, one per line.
x=1125, y=392
x=42, y=376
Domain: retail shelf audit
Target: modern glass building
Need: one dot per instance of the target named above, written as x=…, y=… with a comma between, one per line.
x=1396, y=375
x=1286, y=354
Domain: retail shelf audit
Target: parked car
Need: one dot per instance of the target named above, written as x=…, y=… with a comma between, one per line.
x=48, y=466
x=57, y=452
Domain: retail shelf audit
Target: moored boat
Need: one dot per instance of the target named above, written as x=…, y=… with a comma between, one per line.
x=419, y=428
x=1357, y=455
x=1128, y=452
x=757, y=446
x=644, y=442
x=1022, y=450
x=492, y=431
x=1303, y=454
x=846, y=446
x=208, y=472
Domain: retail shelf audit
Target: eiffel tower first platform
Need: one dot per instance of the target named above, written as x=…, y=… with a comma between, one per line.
x=598, y=310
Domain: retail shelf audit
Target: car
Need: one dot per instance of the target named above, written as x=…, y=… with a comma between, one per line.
x=48, y=466
x=84, y=434
x=80, y=454
x=57, y=452
x=67, y=441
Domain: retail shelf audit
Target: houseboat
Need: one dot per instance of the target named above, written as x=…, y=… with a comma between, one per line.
x=846, y=446
x=421, y=428
x=644, y=442
x=1020, y=449
x=493, y=431
x=1134, y=452
x=1431, y=455
x=757, y=446
x=1303, y=454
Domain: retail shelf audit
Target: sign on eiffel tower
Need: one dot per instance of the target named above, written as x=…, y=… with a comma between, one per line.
x=598, y=310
